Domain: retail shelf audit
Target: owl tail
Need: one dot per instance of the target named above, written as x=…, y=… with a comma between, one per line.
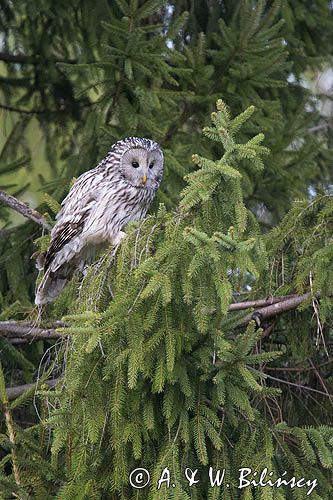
x=51, y=285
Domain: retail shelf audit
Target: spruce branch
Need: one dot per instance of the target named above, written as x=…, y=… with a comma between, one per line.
x=9, y=425
x=19, y=330
x=23, y=209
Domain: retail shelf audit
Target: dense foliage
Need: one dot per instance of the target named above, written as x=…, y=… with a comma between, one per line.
x=155, y=368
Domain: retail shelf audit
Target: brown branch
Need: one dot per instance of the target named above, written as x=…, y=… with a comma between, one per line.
x=18, y=341
x=23, y=209
x=175, y=126
x=238, y=306
x=14, y=109
x=3, y=233
x=21, y=330
x=15, y=392
x=268, y=329
x=115, y=97
x=299, y=386
x=15, y=58
x=321, y=380
x=275, y=309
x=35, y=59
x=320, y=126
x=297, y=369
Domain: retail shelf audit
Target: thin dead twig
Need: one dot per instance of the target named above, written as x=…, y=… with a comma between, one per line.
x=23, y=209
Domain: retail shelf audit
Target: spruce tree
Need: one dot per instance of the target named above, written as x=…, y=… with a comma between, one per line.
x=205, y=341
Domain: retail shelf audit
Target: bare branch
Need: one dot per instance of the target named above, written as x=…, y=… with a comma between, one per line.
x=275, y=309
x=320, y=126
x=238, y=306
x=18, y=341
x=298, y=369
x=23, y=209
x=3, y=233
x=15, y=392
x=298, y=386
x=14, y=109
x=321, y=380
x=35, y=59
x=21, y=330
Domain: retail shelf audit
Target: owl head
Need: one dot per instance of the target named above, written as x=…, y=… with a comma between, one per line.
x=140, y=162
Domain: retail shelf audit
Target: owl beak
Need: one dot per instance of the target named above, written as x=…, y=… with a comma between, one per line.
x=144, y=179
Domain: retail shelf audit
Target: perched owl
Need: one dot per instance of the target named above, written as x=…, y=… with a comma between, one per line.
x=97, y=207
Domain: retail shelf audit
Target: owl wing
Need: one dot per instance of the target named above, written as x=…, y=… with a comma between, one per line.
x=76, y=208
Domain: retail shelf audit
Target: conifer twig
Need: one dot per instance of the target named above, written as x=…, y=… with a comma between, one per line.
x=11, y=435
x=23, y=209
x=4, y=398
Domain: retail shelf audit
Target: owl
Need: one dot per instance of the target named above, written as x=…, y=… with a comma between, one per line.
x=100, y=203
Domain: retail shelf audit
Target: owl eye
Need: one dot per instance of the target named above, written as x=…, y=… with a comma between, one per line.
x=135, y=164
x=151, y=165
